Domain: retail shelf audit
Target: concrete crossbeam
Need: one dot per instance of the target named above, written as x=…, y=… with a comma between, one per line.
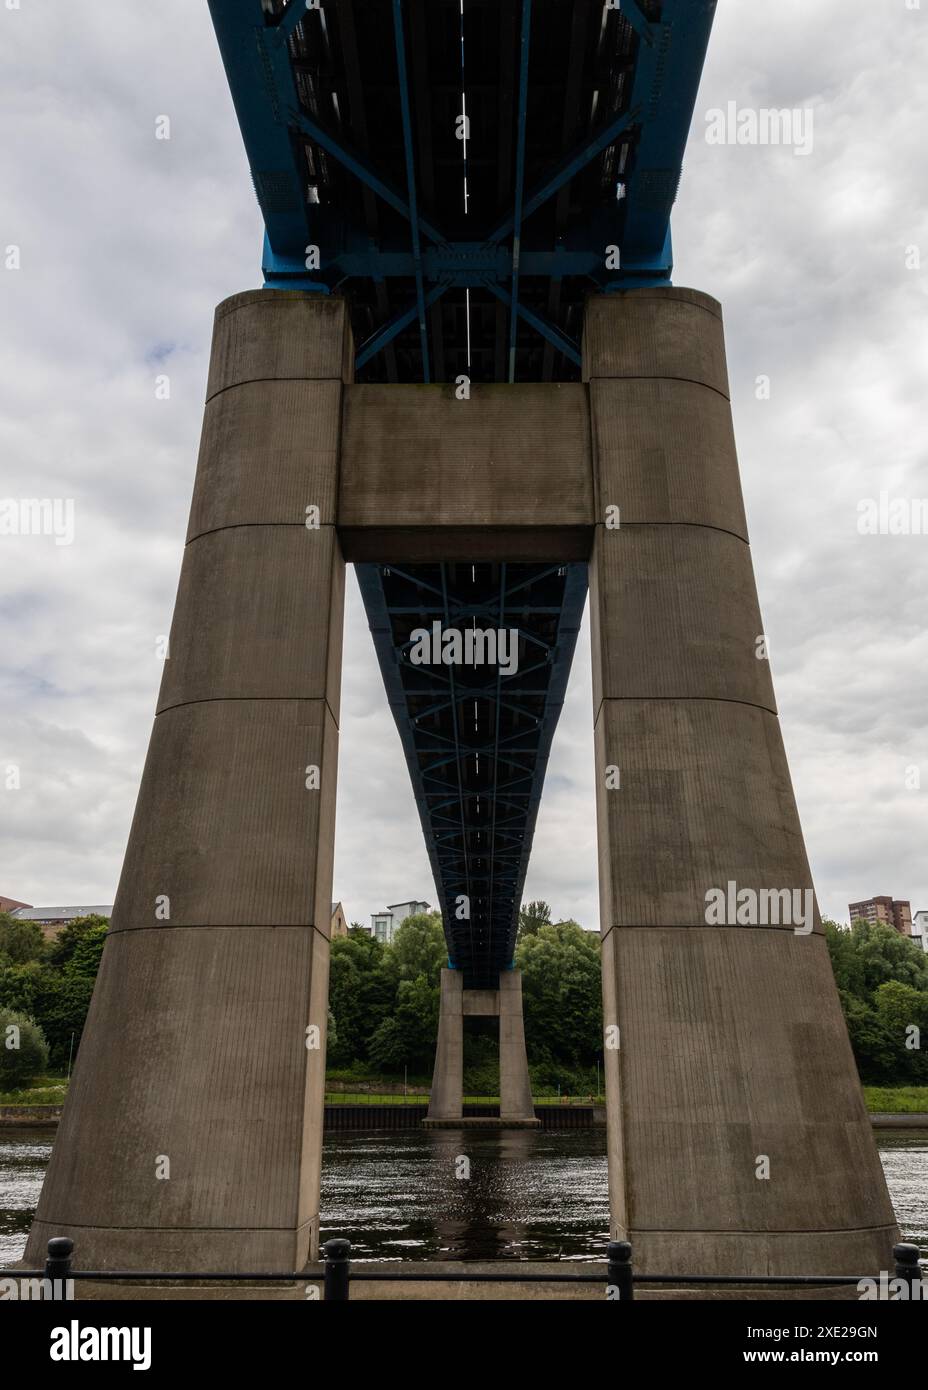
x=505, y=473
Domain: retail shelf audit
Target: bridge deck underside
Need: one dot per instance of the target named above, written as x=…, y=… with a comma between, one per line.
x=468, y=257
x=580, y=74
x=477, y=740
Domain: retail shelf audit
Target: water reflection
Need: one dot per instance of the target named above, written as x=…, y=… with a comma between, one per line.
x=905, y=1162
x=531, y=1194
x=23, y=1158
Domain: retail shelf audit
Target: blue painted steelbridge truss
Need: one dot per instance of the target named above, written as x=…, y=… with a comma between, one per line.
x=465, y=173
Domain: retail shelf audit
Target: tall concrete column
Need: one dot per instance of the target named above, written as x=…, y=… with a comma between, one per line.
x=515, y=1088
x=191, y=1137
x=737, y=1133
x=447, y=1096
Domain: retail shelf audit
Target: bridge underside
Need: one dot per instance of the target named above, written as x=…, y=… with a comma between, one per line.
x=465, y=255
x=737, y=1135
x=465, y=175
x=477, y=740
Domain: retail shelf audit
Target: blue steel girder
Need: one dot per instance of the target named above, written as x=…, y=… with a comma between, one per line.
x=283, y=67
x=667, y=74
x=477, y=756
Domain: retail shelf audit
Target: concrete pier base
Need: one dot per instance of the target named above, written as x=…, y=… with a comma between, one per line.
x=446, y=1102
x=737, y=1134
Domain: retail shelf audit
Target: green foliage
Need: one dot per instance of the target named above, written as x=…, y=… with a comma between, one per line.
x=481, y=1058
x=362, y=992
x=35, y=1094
x=75, y=935
x=20, y=942
x=55, y=990
x=562, y=994
x=897, y=1100
x=23, y=1049
x=419, y=948
x=407, y=1038
x=385, y=1003
x=532, y=916
x=882, y=980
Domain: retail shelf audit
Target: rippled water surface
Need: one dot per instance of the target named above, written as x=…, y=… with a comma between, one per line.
x=530, y=1195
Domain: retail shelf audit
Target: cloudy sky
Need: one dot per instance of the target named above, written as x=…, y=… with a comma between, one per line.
x=126, y=243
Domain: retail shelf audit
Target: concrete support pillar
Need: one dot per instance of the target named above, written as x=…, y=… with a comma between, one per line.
x=191, y=1138
x=515, y=1088
x=738, y=1137
x=447, y=1096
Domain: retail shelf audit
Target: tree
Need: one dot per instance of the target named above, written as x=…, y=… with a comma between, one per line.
x=83, y=962
x=419, y=947
x=882, y=980
x=73, y=934
x=58, y=996
x=532, y=916
x=362, y=993
x=387, y=1051
x=885, y=954
x=408, y=1037
x=23, y=1050
x=873, y=1047
x=903, y=1013
x=20, y=942
x=562, y=994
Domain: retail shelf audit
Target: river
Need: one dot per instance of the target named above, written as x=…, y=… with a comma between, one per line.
x=403, y=1195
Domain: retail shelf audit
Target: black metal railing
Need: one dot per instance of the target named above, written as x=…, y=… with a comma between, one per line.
x=619, y=1284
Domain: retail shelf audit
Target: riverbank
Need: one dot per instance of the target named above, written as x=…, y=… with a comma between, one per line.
x=385, y=1115
x=29, y=1116
x=891, y=1107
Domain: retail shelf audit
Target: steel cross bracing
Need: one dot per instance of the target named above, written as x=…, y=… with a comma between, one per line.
x=477, y=740
x=578, y=116
x=465, y=247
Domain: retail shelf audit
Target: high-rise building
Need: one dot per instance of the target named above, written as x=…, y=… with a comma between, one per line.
x=895, y=913
x=920, y=928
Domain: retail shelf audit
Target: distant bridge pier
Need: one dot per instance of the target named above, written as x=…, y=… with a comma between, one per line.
x=457, y=1003
x=737, y=1133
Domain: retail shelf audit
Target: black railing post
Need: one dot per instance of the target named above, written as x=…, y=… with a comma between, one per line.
x=58, y=1266
x=337, y=1257
x=908, y=1268
x=619, y=1269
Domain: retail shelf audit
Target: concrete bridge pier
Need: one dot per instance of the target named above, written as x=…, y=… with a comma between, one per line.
x=737, y=1134
x=191, y=1136
x=446, y=1103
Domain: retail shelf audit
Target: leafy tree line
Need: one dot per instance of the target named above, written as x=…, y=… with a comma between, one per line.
x=384, y=1001
x=882, y=979
x=45, y=989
